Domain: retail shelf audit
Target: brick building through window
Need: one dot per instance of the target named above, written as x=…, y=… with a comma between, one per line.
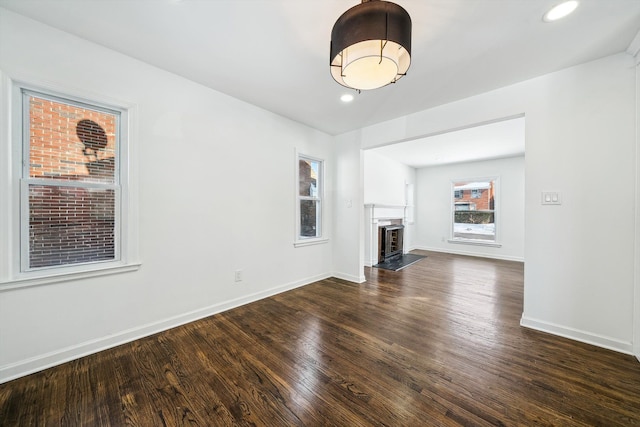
x=474, y=210
x=71, y=182
x=309, y=197
x=474, y=196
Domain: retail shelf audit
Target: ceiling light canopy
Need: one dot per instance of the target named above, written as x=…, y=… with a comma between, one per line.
x=371, y=45
x=560, y=11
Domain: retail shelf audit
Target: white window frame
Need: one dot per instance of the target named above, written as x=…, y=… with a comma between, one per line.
x=14, y=189
x=299, y=240
x=496, y=214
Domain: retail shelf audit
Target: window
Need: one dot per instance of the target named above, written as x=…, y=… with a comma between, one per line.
x=474, y=221
x=465, y=206
x=70, y=181
x=309, y=198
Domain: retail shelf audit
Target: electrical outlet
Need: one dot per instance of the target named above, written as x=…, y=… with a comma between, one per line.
x=238, y=275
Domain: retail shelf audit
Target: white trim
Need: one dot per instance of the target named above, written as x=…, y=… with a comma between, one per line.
x=382, y=212
x=636, y=299
x=577, y=335
x=310, y=242
x=69, y=183
x=475, y=242
x=379, y=205
x=97, y=269
x=474, y=254
x=38, y=363
x=349, y=277
x=7, y=190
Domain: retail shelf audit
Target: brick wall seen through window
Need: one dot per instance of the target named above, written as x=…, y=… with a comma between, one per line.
x=309, y=197
x=474, y=210
x=71, y=180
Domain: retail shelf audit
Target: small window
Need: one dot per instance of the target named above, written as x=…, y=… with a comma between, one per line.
x=310, y=181
x=474, y=220
x=458, y=194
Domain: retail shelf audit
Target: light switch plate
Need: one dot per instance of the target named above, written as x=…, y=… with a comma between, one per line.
x=551, y=198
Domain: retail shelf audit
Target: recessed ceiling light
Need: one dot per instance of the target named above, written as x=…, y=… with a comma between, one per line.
x=347, y=97
x=560, y=11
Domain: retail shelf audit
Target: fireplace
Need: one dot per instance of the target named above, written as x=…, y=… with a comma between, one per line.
x=376, y=217
x=390, y=241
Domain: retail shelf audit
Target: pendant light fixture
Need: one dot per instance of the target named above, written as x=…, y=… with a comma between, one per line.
x=371, y=45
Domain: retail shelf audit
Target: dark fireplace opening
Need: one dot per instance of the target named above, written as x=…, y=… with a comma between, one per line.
x=390, y=241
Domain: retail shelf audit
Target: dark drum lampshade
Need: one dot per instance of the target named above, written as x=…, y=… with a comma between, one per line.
x=371, y=45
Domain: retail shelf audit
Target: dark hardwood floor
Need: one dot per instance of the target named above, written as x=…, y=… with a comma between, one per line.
x=436, y=344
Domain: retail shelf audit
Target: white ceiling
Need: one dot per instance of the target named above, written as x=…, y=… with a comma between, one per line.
x=274, y=53
x=491, y=141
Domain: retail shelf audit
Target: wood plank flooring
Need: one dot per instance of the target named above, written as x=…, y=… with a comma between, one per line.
x=436, y=344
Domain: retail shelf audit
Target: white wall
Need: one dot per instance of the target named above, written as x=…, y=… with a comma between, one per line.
x=580, y=140
x=348, y=236
x=433, y=213
x=216, y=194
x=385, y=179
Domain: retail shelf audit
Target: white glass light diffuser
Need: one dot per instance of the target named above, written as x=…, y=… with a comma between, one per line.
x=371, y=64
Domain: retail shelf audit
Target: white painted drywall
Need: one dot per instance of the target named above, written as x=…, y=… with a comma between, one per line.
x=385, y=179
x=580, y=140
x=216, y=178
x=348, y=236
x=433, y=211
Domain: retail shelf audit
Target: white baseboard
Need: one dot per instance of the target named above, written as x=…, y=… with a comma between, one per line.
x=578, y=335
x=349, y=277
x=38, y=363
x=459, y=252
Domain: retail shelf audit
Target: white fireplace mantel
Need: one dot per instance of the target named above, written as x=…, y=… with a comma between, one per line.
x=375, y=216
x=379, y=211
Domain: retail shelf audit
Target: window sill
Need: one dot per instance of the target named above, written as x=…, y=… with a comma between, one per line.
x=25, y=282
x=310, y=242
x=475, y=243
